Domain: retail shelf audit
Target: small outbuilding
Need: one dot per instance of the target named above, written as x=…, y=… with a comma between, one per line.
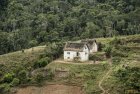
x=92, y=45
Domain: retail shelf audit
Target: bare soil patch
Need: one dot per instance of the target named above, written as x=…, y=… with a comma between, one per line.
x=51, y=89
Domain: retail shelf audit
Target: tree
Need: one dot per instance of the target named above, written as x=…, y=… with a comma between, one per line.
x=33, y=43
x=108, y=50
x=22, y=76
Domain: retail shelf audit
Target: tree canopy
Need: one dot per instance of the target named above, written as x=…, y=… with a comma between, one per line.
x=22, y=21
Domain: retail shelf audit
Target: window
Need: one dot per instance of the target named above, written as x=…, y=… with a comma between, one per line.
x=78, y=54
x=68, y=52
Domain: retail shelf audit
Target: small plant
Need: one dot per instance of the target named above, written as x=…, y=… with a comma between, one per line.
x=8, y=77
x=4, y=88
x=15, y=82
x=23, y=76
x=39, y=78
x=108, y=50
x=115, y=42
x=97, y=57
x=42, y=62
x=77, y=59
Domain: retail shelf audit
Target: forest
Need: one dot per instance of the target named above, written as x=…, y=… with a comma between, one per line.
x=27, y=23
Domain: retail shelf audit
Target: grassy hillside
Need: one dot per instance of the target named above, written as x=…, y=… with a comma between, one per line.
x=123, y=72
x=125, y=54
x=28, y=55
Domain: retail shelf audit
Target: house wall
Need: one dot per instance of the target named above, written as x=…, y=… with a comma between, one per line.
x=95, y=48
x=69, y=57
x=84, y=55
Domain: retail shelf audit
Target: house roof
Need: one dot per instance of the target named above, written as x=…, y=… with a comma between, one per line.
x=74, y=46
x=89, y=42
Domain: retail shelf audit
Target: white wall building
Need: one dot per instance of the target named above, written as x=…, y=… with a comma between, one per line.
x=80, y=50
x=73, y=51
x=92, y=44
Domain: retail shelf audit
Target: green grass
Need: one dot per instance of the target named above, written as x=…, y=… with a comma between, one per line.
x=132, y=44
x=87, y=76
x=27, y=56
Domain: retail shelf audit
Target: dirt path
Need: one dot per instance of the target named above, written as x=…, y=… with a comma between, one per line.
x=81, y=63
x=104, y=77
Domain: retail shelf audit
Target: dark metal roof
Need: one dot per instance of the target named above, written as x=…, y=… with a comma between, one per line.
x=74, y=46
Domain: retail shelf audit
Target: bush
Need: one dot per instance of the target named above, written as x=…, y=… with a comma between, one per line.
x=129, y=77
x=1, y=74
x=23, y=76
x=42, y=62
x=100, y=46
x=108, y=50
x=76, y=59
x=97, y=57
x=15, y=82
x=50, y=75
x=115, y=42
x=4, y=88
x=116, y=60
x=8, y=77
x=119, y=53
x=39, y=78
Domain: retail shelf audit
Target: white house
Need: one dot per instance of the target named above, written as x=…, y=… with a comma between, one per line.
x=92, y=44
x=73, y=51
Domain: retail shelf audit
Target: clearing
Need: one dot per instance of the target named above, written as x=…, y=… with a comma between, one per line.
x=51, y=89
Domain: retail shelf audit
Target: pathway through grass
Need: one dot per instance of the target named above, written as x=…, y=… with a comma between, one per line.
x=104, y=77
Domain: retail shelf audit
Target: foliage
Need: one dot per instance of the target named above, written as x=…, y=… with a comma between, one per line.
x=77, y=59
x=100, y=46
x=8, y=77
x=118, y=53
x=108, y=50
x=129, y=77
x=28, y=23
x=15, y=82
x=42, y=62
x=97, y=57
x=39, y=78
x=22, y=75
x=4, y=88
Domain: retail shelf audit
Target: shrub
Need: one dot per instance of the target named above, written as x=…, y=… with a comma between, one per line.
x=1, y=74
x=50, y=75
x=119, y=53
x=42, y=62
x=15, y=82
x=76, y=59
x=100, y=46
x=39, y=78
x=115, y=42
x=97, y=57
x=8, y=77
x=23, y=76
x=129, y=77
x=116, y=60
x=4, y=88
x=108, y=50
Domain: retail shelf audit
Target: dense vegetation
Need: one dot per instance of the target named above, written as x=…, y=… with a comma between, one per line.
x=26, y=23
x=29, y=69
x=125, y=66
